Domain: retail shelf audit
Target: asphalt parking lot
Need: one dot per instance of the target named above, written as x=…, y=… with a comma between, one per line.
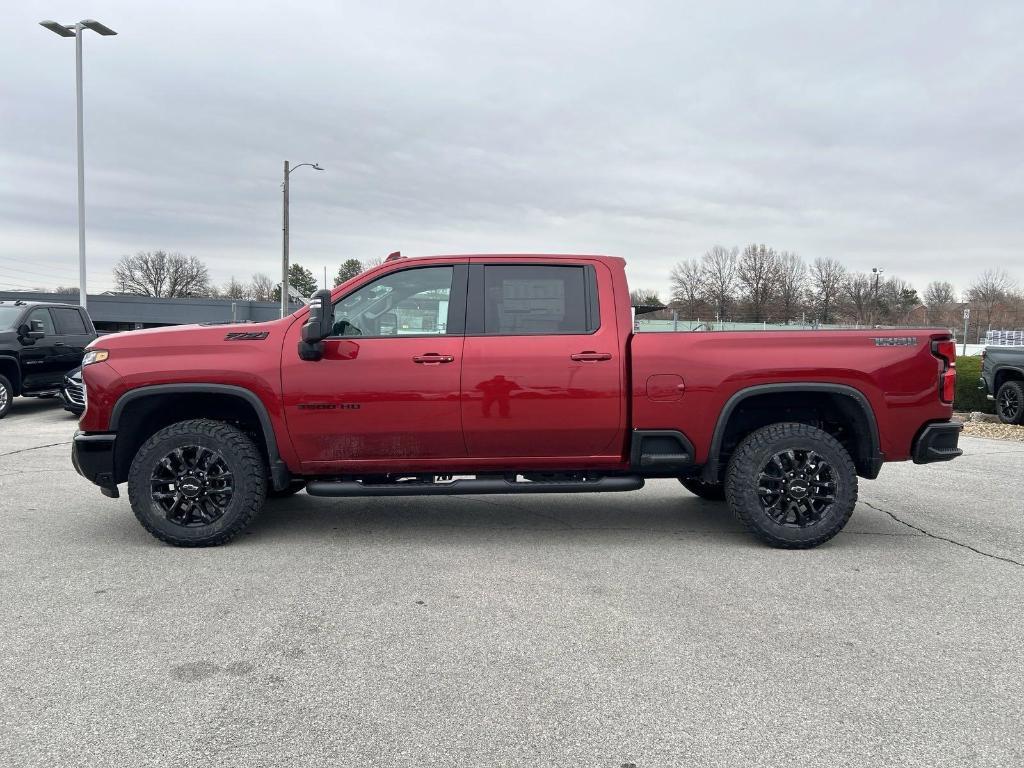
x=640, y=629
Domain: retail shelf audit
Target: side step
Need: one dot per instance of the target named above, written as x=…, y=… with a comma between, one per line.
x=465, y=487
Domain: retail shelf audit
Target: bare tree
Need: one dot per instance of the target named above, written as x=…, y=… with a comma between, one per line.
x=687, y=285
x=161, y=275
x=718, y=273
x=67, y=290
x=940, y=300
x=757, y=274
x=792, y=284
x=235, y=289
x=369, y=264
x=859, y=293
x=644, y=297
x=827, y=278
x=993, y=288
x=262, y=287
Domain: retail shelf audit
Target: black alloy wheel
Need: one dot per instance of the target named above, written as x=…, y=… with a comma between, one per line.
x=796, y=487
x=1010, y=403
x=192, y=485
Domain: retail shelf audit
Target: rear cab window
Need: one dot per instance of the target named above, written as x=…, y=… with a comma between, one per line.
x=532, y=299
x=69, y=321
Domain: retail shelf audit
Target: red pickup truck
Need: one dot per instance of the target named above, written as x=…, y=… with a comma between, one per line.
x=504, y=374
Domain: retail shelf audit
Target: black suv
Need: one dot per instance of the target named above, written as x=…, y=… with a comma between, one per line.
x=39, y=344
x=1002, y=378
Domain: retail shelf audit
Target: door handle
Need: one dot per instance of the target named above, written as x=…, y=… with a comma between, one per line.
x=432, y=358
x=591, y=357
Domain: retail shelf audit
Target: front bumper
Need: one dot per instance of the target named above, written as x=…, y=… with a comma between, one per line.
x=93, y=458
x=938, y=442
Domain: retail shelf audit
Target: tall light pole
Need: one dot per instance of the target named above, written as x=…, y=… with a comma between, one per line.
x=75, y=31
x=284, y=229
x=877, y=271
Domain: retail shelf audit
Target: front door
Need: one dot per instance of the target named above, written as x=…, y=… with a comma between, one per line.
x=40, y=358
x=386, y=393
x=542, y=369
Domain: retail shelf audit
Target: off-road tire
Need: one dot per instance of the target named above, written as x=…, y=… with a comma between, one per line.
x=707, y=491
x=754, y=453
x=6, y=396
x=1010, y=403
x=243, y=458
x=290, y=490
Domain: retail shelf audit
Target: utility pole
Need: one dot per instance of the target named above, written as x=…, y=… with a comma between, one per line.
x=967, y=318
x=284, y=232
x=76, y=31
x=284, y=246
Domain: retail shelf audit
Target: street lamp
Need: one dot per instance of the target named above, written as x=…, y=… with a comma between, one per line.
x=284, y=228
x=75, y=31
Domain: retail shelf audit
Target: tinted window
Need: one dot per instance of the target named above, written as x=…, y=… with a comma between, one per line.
x=69, y=321
x=406, y=303
x=525, y=299
x=43, y=316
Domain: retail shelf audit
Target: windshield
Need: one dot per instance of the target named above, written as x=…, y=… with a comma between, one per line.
x=8, y=317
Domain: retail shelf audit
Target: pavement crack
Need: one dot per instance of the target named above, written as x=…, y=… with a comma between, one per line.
x=34, y=448
x=931, y=535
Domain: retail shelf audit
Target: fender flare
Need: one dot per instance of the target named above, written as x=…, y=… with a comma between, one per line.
x=1000, y=369
x=875, y=458
x=280, y=476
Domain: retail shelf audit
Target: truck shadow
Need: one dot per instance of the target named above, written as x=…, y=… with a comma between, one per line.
x=305, y=517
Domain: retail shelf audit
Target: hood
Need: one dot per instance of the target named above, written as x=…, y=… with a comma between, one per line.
x=196, y=334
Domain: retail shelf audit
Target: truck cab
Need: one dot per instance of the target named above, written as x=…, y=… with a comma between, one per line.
x=39, y=344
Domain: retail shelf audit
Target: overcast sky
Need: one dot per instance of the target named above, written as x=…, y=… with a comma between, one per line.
x=887, y=133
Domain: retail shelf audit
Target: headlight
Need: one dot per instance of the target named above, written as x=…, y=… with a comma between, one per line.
x=95, y=356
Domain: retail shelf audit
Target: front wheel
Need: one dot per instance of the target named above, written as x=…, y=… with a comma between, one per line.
x=6, y=396
x=1010, y=403
x=197, y=483
x=793, y=485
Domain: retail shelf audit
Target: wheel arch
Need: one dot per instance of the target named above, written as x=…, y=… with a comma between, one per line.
x=1005, y=373
x=140, y=413
x=746, y=411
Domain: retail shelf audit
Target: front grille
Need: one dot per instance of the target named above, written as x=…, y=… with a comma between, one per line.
x=75, y=392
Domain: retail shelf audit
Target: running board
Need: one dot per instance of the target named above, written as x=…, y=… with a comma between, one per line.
x=466, y=487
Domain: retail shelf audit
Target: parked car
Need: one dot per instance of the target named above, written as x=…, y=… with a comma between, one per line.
x=73, y=392
x=39, y=344
x=1002, y=378
x=504, y=374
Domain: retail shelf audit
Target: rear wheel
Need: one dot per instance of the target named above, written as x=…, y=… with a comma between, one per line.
x=197, y=483
x=792, y=485
x=6, y=396
x=709, y=491
x=1010, y=403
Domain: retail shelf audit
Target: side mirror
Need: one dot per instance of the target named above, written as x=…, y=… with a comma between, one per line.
x=318, y=326
x=32, y=331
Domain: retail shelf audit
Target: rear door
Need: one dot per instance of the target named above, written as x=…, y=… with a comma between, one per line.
x=542, y=369
x=74, y=333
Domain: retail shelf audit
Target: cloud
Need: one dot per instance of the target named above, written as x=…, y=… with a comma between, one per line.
x=875, y=133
